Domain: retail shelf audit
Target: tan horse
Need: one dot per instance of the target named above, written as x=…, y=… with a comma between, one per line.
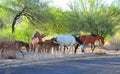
x=37, y=37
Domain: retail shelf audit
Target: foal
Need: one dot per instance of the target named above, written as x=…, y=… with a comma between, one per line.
x=47, y=46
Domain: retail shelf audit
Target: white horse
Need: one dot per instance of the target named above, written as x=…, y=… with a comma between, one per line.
x=69, y=40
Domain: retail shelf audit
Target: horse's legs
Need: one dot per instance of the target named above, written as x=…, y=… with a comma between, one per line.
x=64, y=48
x=2, y=52
x=85, y=46
x=34, y=47
x=39, y=51
x=100, y=43
x=82, y=48
x=76, y=48
x=22, y=53
x=56, y=49
x=61, y=47
x=31, y=47
x=70, y=48
x=92, y=47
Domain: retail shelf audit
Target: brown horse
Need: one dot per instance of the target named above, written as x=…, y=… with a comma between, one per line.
x=48, y=46
x=90, y=39
x=37, y=37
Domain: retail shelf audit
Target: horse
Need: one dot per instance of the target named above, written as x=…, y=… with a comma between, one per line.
x=69, y=40
x=7, y=47
x=90, y=39
x=37, y=37
x=47, y=46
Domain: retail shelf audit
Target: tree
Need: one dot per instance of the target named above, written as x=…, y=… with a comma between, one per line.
x=93, y=16
x=34, y=10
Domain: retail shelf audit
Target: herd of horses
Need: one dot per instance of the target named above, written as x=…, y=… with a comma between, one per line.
x=58, y=43
x=61, y=42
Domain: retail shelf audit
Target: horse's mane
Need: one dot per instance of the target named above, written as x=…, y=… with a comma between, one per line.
x=93, y=34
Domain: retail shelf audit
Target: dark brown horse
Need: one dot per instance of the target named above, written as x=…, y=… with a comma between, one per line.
x=90, y=39
x=37, y=37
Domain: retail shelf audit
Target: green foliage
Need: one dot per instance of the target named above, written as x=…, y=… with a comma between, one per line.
x=85, y=16
x=36, y=11
x=5, y=33
x=22, y=32
x=93, y=16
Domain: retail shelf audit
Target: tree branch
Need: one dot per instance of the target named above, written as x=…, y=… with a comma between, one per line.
x=17, y=17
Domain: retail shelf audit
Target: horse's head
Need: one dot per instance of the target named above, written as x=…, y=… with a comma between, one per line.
x=26, y=45
x=37, y=34
x=101, y=38
x=22, y=44
x=53, y=40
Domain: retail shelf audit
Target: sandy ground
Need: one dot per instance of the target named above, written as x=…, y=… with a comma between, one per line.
x=31, y=58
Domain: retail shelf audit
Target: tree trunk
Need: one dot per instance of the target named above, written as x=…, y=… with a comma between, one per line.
x=17, y=17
